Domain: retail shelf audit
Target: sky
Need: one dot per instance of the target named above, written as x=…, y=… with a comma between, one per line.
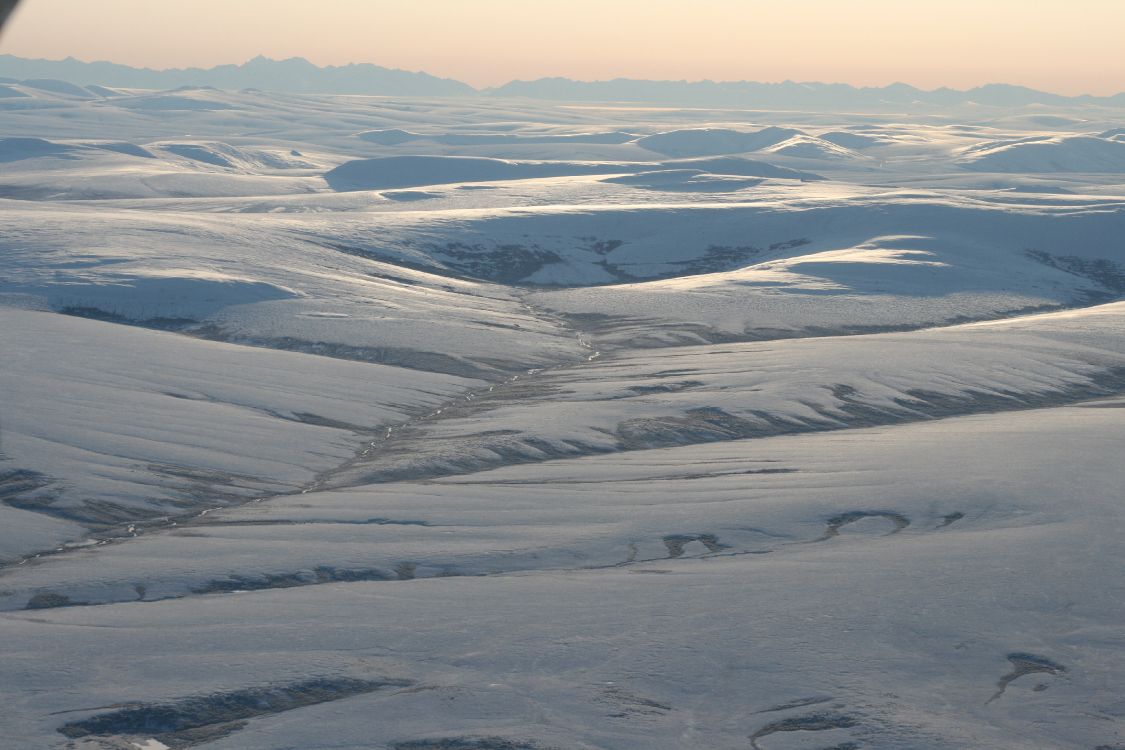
x=1065, y=46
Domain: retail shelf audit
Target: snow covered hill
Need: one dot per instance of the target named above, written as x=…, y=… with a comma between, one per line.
x=1042, y=154
x=698, y=394
x=485, y=424
x=119, y=424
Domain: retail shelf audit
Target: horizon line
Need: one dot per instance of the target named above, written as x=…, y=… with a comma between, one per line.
x=72, y=58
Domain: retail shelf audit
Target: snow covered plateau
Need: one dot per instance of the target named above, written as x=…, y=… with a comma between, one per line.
x=477, y=423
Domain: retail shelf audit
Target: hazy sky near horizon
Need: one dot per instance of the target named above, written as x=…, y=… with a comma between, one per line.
x=1067, y=46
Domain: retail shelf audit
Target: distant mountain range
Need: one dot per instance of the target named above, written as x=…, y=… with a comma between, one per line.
x=298, y=75
x=295, y=75
x=786, y=95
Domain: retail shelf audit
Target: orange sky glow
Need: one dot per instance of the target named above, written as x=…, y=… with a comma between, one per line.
x=1071, y=46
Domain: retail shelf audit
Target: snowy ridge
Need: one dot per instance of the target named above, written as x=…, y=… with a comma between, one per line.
x=1072, y=154
x=723, y=392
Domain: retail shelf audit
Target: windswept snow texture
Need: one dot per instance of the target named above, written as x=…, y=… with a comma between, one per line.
x=485, y=424
x=714, y=141
x=413, y=171
x=135, y=422
x=1044, y=154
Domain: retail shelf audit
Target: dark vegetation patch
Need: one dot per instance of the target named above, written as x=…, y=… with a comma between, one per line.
x=401, y=571
x=683, y=385
x=812, y=723
x=506, y=264
x=314, y=521
x=1106, y=273
x=1024, y=664
x=110, y=316
x=675, y=543
x=17, y=482
x=404, y=460
x=835, y=523
x=321, y=574
x=798, y=703
x=627, y=704
x=50, y=600
x=513, y=263
x=950, y=518
x=190, y=721
x=709, y=424
x=467, y=743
